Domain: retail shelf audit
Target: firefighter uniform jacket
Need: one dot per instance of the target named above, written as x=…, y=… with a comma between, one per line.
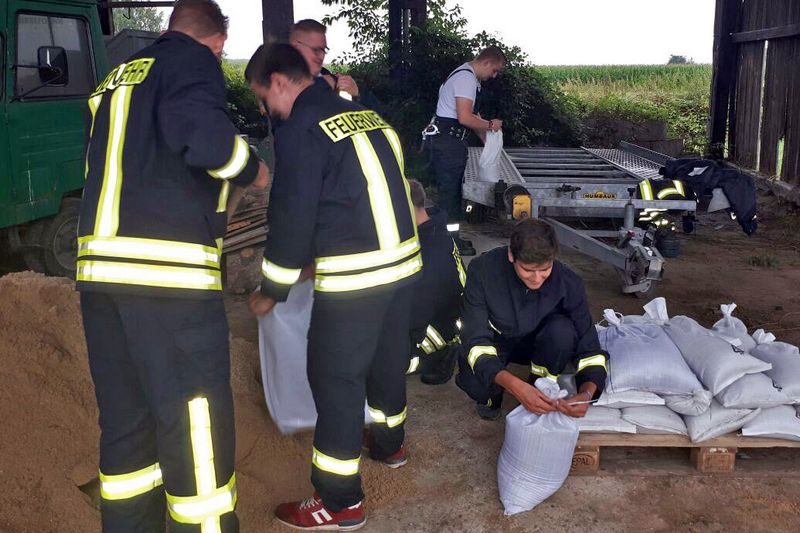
x=436, y=305
x=660, y=189
x=499, y=310
x=161, y=158
x=339, y=200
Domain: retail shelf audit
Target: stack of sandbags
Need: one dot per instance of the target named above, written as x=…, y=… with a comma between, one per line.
x=643, y=358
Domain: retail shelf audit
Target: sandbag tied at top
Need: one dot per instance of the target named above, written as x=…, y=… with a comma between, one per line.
x=731, y=327
x=785, y=361
x=536, y=455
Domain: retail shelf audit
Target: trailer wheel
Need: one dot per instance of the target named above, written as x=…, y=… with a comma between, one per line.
x=60, y=240
x=31, y=240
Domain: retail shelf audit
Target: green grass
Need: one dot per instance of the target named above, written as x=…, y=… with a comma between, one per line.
x=676, y=94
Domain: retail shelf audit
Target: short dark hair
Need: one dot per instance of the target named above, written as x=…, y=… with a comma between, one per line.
x=492, y=53
x=308, y=26
x=200, y=17
x=418, y=196
x=276, y=58
x=533, y=241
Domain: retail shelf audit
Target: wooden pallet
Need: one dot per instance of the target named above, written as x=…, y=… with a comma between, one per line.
x=711, y=456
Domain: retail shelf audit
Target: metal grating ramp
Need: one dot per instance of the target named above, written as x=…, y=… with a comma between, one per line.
x=632, y=163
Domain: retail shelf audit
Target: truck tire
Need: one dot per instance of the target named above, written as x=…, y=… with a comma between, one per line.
x=32, y=253
x=60, y=240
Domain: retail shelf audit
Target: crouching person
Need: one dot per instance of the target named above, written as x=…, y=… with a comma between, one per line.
x=436, y=301
x=522, y=306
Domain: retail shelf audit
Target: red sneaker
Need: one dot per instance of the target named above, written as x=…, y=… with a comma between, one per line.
x=311, y=515
x=396, y=460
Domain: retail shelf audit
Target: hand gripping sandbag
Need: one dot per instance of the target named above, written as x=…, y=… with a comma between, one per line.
x=785, y=361
x=536, y=454
x=282, y=343
x=604, y=420
x=488, y=165
x=716, y=361
x=655, y=419
x=777, y=423
x=753, y=391
x=732, y=327
x=717, y=421
x=643, y=358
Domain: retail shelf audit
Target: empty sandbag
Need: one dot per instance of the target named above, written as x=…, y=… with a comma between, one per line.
x=536, y=455
x=655, y=419
x=717, y=421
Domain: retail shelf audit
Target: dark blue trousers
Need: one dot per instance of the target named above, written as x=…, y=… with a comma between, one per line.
x=449, y=160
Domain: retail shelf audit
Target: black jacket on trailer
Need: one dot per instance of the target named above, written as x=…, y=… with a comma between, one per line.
x=499, y=310
x=437, y=295
x=338, y=200
x=161, y=157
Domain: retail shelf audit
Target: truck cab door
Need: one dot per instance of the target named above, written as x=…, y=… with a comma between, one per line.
x=46, y=122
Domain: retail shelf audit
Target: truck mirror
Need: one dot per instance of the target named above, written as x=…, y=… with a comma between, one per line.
x=53, y=65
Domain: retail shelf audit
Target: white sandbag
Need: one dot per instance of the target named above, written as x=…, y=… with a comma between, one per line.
x=785, y=361
x=604, y=420
x=629, y=398
x=536, y=454
x=717, y=362
x=778, y=423
x=488, y=165
x=751, y=392
x=717, y=421
x=693, y=404
x=730, y=326
x=655, y=419
x=282, y=343
x=642, y=357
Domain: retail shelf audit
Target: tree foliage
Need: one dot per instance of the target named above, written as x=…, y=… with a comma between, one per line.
x=139, y=18
x=679, y=60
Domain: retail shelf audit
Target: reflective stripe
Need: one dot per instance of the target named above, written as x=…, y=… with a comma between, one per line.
x=94, y=105
x=237, y=162
x=346, y=467
x=379, y=417
x=367, y=280
x=366, y=260
x=413, y=365
x=426, y=346
x=222, y=203
x=149, y=275
x=107, y=218
x=204, y=509
x=452, y=228
x=462, y=274
x=542, y=371
x=477, y=351
x=124, y=486
x=646, y=190
x=278, y=274
x=346, y=95
x=679, y=186
x=379, y=198
x=435, y=337
x=397, y=147
x=493, y=327
x=148, y=249
x=594, y=360
x=458, y=324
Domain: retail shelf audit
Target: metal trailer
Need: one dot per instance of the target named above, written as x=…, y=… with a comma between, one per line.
x=574, y=187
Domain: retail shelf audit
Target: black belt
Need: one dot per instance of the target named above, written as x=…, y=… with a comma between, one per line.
x=451, y=126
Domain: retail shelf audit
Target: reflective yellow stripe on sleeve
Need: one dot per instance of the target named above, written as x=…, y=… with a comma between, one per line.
x=435, y=337
x=477, y=351
x=413, y=365
x=679, y=187
x=538, y=370
x=646, y=190
x=222, y=202
x=149, y=275
x=379, y=417
x=368, y=280
x=124, y=486
x=326, y=463
x=426, y=346
x=237, y=162
x=278, y=274
x=148, y=249
x=593, y=360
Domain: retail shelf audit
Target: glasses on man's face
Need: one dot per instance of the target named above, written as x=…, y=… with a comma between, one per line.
x=317, y=50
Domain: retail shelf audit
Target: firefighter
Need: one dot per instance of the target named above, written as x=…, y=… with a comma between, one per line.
x=660, y=189
x=523, y=306
x=455, y=113
x=161, y=158
x=340, y=201
x=309, y=37
x=436, y=304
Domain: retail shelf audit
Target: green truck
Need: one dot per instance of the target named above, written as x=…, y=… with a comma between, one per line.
x=54, y=53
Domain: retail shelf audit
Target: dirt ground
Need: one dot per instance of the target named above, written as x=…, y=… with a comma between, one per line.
x=48, y=445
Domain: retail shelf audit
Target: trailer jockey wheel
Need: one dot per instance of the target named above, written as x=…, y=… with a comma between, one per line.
x=60, y=240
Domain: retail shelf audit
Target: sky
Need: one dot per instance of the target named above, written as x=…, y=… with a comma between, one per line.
x=561, y=32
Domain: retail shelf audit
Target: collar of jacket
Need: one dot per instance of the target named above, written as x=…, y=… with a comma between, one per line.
x=309, y=94
x=437, y=222
x=178, y=36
